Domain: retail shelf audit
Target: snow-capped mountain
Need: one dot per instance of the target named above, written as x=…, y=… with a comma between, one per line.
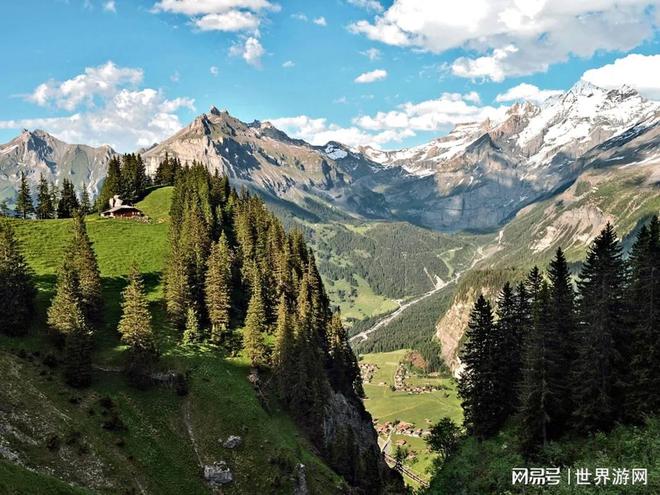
x=37, y=152
x=476, y=177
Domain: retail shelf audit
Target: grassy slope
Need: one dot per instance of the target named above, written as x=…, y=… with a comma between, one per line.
x=387, y=405
x=157, y=453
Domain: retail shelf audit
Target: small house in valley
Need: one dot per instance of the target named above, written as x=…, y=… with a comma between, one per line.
x=119, y=210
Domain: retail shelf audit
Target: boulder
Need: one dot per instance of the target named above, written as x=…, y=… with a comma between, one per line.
x=217, y=473
x=232, y=442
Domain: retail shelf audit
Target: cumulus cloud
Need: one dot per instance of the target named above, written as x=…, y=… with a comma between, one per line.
x=438, y=114
x=372, y=76
x=288, y=64
x=472, y=97
x=101, y=81
x=527, y=92
x=318, y=131
x=239, y=16
x=513, y=37
x=320, y=21
x=638, y=71
x=107, y=109
x=249, y=50
x=214, y=70
x=367, y=5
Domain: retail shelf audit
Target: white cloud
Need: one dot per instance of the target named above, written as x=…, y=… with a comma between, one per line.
x=250, y=50
x=371, y=53
x=320, y=21
x=513, y=37
x=638, y=71
x=234, y=20
x=202, y=7
x=431, y=115
x=318, y=131
x=367, y=4
x=527, y=92
x=110, y=6
x=299, y=16
x=214, y=70
x=127, y=118
x=101, y=81
x=288, y=64
x=372, y=76
x=472, y=97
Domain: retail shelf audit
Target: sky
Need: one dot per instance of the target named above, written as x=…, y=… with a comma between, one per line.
x=389, y=74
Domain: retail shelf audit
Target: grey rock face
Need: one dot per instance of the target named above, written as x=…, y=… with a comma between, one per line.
x=232, y=442
x=217, y=473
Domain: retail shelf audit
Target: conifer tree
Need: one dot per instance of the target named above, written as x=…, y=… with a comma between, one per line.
x=255, y=329
x=85, y=264
x=535, y=393
x=78, y=353
x=344, y=370
x=284, y=351
x=644, y=293
x=85, y=202
x=601, y=365
x=64, y=313
x=17, y=289
x=562, y=331
x=218, y=289
x=177, y=286
x=476, y=388
x=508, y=351
x=24, y=204
x=192, y=333
x=135, y=323
x=45, y=207
x=68, y=203
x=111, y=185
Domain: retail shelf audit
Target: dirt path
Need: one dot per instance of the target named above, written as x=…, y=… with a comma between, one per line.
x=191, y=433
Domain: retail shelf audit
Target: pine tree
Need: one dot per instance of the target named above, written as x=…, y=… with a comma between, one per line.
x=602, y=341
x=344, y=372
x=535, y=394
x=476, y=388
x=562, y=332
x=135, y=323
x=85, y=264
x=85, y=202
x=65, y=314
x=508, y=352
x=68, y=203
x=177, y=286
x=78, y=353
x=111, y=185
x=45, y=207
x=17, y=289
x=284, y=351
x=218, y=289
x=643, y=396
x=192, y=333
x=24, y=205
x=255, y=329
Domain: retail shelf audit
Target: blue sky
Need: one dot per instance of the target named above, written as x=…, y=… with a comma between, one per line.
x=388, y=74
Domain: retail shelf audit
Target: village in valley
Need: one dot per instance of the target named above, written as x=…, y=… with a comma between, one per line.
x=405, y=403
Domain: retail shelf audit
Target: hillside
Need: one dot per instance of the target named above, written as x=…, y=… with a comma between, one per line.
x=112, y=438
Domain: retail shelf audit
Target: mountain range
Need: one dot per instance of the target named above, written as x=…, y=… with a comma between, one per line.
x=476, y=177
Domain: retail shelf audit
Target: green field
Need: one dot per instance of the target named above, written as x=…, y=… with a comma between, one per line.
x=164, y=437
x=422, y=409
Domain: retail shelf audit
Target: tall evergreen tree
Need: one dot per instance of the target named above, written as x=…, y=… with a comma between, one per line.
x=344, y=371
x=562, y=331
x=68, y=203
x=508, y=352
x=535, y=392
x=255, y=329
x=177, y=287
x=193, y=332
x=135, y=323
x=85, y=201
x=17, y=289
x=24, y=204
x=85, y=264
x=644, y=294
x=111, y=185
x=602, y=341
x=284, y=351
x=476, y=387
x=218, y=289
x=45, y=207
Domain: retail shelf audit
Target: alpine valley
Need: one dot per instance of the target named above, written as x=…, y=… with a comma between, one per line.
x=405, y=242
